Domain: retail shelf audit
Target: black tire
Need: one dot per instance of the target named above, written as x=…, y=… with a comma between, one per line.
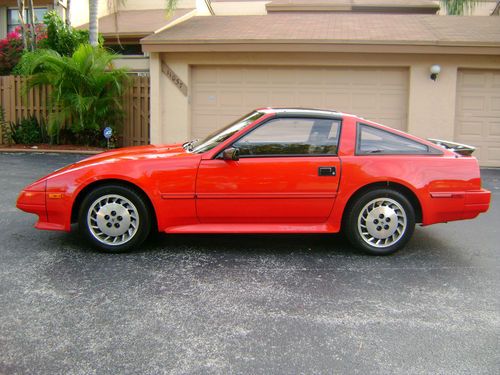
x=114, y=218
x=380, y=222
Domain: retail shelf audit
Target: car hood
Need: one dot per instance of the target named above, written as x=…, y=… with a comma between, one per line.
x=126, y=154
x=137, y=152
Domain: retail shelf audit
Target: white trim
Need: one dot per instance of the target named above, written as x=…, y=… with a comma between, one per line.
x=183, y=18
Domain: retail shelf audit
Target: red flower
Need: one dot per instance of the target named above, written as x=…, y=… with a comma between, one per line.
x=13, y=35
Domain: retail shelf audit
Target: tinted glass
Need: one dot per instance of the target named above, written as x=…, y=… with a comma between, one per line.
x=372, y=140
x=223, y=134
x=291, y=136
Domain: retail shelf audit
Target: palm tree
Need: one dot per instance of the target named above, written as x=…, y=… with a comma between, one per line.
x=171, y=5
x=86, y=91
x=20, y=10
x=68, y=13
x=31, y=23
x=458, y=7
x=93, y=22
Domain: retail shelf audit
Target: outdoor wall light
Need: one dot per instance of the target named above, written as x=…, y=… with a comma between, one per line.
x=435, y=70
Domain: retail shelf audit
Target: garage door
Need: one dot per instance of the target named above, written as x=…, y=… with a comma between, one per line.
x=221, y=94
x=478, y=113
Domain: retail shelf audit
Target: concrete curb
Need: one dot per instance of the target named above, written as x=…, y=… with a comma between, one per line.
x=48, y=151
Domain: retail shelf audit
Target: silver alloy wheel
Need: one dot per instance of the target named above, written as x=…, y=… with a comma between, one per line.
x=382, y=222
x=113, y=219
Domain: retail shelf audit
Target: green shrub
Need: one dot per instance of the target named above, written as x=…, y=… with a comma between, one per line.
x=54, y=35
x=60, y=37
x=28, y=131
x=28, y=57
x=87, y=91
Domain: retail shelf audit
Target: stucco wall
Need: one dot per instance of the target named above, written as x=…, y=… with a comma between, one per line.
x=229, y=8
x=431, y=110
x=79, y=12
x=481, y=8
x=133, y=63
x=3, y=25
x=152, y=4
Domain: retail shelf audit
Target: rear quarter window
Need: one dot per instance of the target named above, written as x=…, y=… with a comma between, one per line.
x=374, y=141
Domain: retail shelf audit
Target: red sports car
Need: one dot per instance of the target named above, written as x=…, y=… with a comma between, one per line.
x=272, y=171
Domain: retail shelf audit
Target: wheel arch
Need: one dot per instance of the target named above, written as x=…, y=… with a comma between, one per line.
x=111, y=181
x=405, y=190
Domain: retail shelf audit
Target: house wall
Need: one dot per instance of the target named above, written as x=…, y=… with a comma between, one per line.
x=152, y=4
x=231, y=8
x=136, y=64
x=3, y=24
x=80, y=9
x=431, y=107
x=13, y=4
x=481, y=8
x=79, y=13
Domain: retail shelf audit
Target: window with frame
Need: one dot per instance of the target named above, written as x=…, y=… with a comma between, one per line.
x=13, y=17
x=291, y=136
x=372, y=140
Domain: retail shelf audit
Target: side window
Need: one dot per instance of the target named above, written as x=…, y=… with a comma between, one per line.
x=291, y=136
x=372, y=140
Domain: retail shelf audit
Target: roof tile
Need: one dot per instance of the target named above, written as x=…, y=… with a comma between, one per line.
x=334, y=28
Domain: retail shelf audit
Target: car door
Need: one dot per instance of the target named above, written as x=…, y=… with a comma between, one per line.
x=288, y=172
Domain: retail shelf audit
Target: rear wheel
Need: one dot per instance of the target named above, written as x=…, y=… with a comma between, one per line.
x=114, y=218
x=380, y=222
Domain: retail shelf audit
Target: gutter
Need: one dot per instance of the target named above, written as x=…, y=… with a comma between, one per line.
x=361, y=46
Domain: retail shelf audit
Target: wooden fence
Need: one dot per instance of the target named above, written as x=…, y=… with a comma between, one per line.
x=135, y=130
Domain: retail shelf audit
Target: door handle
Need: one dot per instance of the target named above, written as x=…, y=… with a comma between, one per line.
x=327, y=171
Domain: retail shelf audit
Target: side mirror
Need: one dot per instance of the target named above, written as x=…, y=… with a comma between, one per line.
x=231, y=154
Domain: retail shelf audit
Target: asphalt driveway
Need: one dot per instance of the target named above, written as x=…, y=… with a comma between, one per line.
x=245, y=304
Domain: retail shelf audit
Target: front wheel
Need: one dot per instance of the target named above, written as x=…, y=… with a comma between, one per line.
x=380, y=222
x=114, y=218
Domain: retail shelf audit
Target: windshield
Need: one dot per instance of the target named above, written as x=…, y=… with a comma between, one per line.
x=221, y=135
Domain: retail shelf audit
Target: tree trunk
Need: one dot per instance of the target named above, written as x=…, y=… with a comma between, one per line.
x=93, y=22
x=31, y=23
x=20, y=9
x=68, y=13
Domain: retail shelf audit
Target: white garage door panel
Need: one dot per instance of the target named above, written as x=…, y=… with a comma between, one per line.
x=478, y=113
x=221, y=94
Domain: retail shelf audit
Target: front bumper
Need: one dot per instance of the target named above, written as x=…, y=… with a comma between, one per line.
x=34, y=201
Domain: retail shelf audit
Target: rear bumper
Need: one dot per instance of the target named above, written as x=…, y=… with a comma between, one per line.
x=476, y=202
x=456, y=205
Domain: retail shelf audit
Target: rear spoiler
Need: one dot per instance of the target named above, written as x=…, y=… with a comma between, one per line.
x=459, y=148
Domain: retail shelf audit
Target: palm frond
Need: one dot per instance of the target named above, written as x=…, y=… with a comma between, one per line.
x=458, y=7
x=86, y=94
x=171, y=5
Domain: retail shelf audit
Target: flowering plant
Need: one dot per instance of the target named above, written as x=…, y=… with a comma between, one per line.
x=12, y=47
x=11, y=50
